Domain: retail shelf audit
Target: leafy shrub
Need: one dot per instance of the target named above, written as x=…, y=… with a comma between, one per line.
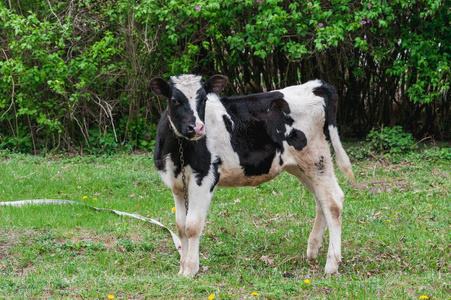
x=139, y=132
x=22, y=142
x=436, y=154
x=358, y=151
x=391, y=140
x=75, y=73
x=102, y=143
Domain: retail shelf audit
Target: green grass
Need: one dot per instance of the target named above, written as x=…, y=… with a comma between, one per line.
x=396, y=233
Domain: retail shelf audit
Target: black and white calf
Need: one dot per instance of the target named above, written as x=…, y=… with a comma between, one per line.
x=248, y=140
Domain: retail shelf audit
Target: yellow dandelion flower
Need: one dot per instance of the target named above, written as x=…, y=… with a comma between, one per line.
x=110, y=297
x=212, y=296
x=85, y=197
x=388, y=221
x=95, y=198
x=254, y=294
x=307, y=281
x=424, y=297
x=173, y=209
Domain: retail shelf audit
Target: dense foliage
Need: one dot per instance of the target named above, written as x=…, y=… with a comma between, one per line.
x=392, y=140
x=74, y=74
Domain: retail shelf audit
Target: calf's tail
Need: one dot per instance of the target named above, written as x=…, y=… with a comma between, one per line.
x=343, y=162
x=330, y=128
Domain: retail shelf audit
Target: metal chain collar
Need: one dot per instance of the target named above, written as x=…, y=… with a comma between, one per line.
x=182, y=163
x=182, y=166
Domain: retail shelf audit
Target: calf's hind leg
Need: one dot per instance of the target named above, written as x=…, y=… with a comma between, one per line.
x=316, y=236
x=317, y=233
x=331, y=201
x=320, y=180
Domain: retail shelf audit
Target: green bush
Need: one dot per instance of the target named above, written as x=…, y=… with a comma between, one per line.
x=358, y=151
x=391, y=140
x=434, y=155
x=75, y=74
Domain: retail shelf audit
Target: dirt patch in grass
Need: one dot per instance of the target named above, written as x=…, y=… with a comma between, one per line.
x=108, y=240
x=10, y=238
x=36, y=245
x=382, y=186
x=372, y=180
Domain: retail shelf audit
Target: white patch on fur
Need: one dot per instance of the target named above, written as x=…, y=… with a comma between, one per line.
x=167, y=174
x=231, y=121
x=307, y=109
x=218, y=138
x=189, y=85
x=288, y=129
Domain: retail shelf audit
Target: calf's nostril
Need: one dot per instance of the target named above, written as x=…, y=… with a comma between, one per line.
x=198, y=129
x=191, y=128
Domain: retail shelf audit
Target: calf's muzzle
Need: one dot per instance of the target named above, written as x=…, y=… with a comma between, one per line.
x=195, y=131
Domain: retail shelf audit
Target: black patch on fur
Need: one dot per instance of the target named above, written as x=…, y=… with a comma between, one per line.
x=321, y=165
x=330, y=96
x=259, y=129
x=297, y=139
x=227, y=123
x=196, y=154
x=159, y=155
x=161, y=166
x=216, y=164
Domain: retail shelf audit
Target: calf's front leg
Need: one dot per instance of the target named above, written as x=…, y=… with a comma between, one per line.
x=180, y=219
x=190, y=228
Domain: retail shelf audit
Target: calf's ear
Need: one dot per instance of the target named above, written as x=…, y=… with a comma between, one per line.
x=160, y=87
x=215, y=84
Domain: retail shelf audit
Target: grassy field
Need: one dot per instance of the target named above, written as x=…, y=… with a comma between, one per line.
x=396, y=233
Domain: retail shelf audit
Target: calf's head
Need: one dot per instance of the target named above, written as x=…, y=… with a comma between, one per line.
x=186, y=96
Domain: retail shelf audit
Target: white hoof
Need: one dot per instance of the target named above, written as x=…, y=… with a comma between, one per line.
x=312, y=254
x=188, y=274
x=331, y=266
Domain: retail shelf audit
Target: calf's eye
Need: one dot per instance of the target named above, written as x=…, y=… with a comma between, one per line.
x=174, y=101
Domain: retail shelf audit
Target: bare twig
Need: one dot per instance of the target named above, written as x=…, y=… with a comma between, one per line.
x=423, y=139
x=50, y=6
x=13, y=92
x=26, y=176
x=108, y=112
x=61, y=171
x=82, y=130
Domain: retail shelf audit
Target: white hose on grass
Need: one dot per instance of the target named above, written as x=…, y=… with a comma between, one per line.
x=175, y=238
